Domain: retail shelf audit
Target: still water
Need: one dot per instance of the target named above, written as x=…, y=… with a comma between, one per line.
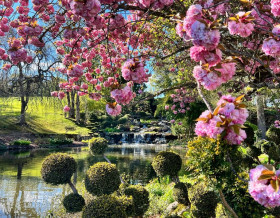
x=24, y=194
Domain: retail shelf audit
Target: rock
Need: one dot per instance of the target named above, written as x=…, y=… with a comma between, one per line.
x=169, y=137
x=171, y=207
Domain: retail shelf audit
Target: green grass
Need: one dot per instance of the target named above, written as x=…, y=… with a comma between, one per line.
x=44, y=115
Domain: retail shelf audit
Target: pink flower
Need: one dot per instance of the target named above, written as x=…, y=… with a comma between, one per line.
x=123, y=96
x=271, y=47
x=235, y=139
x=54, y=94
x=66, y=109
x=275, y=7
x=241, y=26
x=134, y=71
x=113, y=110
x=172, y=121
x=261, y=190
x=204, y=37
x=200, y=53
x=61, y=95
x=76, y=71
x=166, y=107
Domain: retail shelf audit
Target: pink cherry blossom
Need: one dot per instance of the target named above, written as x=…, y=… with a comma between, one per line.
x=113, y=110
x=261, y=190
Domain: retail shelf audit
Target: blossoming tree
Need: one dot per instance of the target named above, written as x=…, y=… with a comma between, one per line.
x=227, y=41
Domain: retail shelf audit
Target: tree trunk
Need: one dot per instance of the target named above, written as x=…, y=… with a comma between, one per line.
x=86, y=113
x=23, y=100
x=78, y=115
x=260, y=115
x=72, y=106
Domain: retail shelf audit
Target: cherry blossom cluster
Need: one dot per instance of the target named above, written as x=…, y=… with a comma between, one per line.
x=277, y=124
x=181, y=98
x=205, y=37
x=261, y=186
x=227, y=119
x=134, y=71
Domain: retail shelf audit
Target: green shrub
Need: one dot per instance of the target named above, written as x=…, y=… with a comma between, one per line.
x=140, y=198
x=108, y=129
x=58, y=168
x=21, y=142
x=180, y=193
x=264, y=145
x=203, y=201
x=61, y=141
x=167, y=163
x=127, y=204
x=104, y=207
x=123, y=119
x=73, y=203
x=102, y=178
x=273, y=134
x=98, y=145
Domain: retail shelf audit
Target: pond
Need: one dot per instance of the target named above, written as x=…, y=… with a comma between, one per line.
x=24, y=194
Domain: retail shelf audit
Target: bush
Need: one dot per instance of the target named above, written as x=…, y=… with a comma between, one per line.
x=103, y=207
x=98, y=145
x=21, y=142
x=140, y=198
x=73, y=203
x=60, y=141
x=102, y=178
x=180, y=193
x=123, y=119
x=273, y=134
x=264, y=145
x=167, y=163
x=127, y=204
x=111, y=130
x=203, y=202
x=58, y=169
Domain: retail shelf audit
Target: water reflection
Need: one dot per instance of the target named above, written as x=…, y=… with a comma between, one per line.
x=24, y=194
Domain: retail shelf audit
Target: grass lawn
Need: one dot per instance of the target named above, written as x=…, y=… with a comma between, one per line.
x=44, y=115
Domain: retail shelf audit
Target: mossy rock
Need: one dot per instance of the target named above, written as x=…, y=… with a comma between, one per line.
x=167, y=163
x=180, y=193
x=140, y=198
x=273, y=134
x=102, y=178
x=127, y=204
x=105, y=206
x=58, y=169
x=203, y=201
x=98, y=145
x=73, y=203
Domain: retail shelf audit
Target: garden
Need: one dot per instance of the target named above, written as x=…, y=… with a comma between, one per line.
x=140, y=108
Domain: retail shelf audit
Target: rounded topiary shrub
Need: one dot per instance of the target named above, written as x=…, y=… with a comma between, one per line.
x=273, y=134
x=167, y=163
x=102, y=178
x=203, y=202
x=140, y=198
x=180, y=193
x=73, y=203
x=58, y=169
x=98, y=145
x=103, y=207
x=127, y=204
